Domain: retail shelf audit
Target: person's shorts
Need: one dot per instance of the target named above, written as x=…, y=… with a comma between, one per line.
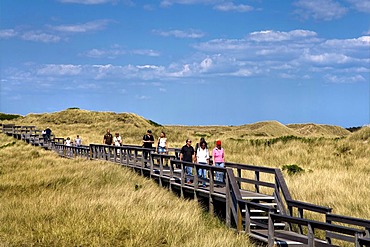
x=161, y=150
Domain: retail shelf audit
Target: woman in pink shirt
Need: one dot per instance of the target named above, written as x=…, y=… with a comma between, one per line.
x=219, y=160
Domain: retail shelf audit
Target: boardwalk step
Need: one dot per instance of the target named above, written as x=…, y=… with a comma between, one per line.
x=268, y=203
x=257, y=197
x=257, y=211
x=275, y=224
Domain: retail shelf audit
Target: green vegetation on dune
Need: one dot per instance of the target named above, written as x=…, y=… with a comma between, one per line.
x=4, y=116
x=50, y=201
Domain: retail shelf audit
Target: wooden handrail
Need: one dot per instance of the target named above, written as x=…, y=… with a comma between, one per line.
x=312, y=225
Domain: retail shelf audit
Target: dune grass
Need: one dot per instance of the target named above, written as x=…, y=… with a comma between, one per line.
x=50, y=201
x=336, y=162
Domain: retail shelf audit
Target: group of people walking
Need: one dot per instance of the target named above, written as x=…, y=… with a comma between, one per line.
x=201, y=155
x=108, y=139
x=77, y=142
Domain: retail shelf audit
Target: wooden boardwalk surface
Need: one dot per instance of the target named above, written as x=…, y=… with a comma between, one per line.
x=253, y=199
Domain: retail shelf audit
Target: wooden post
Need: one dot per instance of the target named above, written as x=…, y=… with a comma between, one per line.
x=239, y=175
x=151, y=158
x=257, y=178
x=357, y=242
x=171, y=175
x=196, y=182
x=160, y=170
x=300, y=215
x=271, y=238
x=121, y=155
x=182, y=180
x=228, y=201
x=311, y=236
x=211, y=191
x=128, y=157
x=247, y=219
x=240, y=218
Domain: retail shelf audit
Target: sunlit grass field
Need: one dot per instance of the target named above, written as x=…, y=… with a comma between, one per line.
x=336, y=162
x=50, y=201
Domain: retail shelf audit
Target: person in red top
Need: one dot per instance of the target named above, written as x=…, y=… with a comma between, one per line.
x=218, y=155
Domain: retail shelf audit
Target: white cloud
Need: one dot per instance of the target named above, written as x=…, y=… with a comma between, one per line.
x=327, y=58
x=297, y=53
x=142, y=97
x=40, y=37
x=166, y=3
x=88, y=2
x=117, y=51
x=363, y=41
x=60, y=69
x=7, y=33
x=276, y=36
x=230, y=6
x=150, y=53
x=320, y=9
x=206, y=64
x=82, y=28
x=344, y=79
x=109, y=53
x=192, y=34
x=360, y=5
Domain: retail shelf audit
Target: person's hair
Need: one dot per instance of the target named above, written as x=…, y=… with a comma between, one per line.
x=164, y=133
x=203, y=142
x=202, y=139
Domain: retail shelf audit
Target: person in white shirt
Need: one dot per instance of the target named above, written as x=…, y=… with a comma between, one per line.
x=162, y=147
x=68, y=142
x=78, y=141
x=117, y=140
x=203, y=158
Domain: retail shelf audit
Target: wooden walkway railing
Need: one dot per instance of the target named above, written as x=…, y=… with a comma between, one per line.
x=253, y=199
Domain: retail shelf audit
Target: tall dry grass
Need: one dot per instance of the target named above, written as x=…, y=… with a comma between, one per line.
x=336, y=163
x=50, y=201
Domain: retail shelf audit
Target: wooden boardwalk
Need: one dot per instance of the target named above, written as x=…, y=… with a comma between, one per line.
x=253, y=199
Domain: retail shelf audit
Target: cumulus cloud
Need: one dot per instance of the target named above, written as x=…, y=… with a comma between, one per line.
x=82, y=28
x=275, y=36
x=230, y=6
x=60, y=69
x=292, y=55
x=344, y=79
x=7, y=33
x=39, y=36
x=360, y=5
x=320, y=9
x=117, y=51
x=191, y=34
x=88, y=2
x=166, y=3
x=146, y=52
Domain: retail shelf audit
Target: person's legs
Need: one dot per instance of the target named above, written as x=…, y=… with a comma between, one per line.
x=189, y=171
x=220, y=175
x=202, y=173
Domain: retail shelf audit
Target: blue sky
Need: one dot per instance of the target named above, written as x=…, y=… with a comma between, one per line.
x=189, y=62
